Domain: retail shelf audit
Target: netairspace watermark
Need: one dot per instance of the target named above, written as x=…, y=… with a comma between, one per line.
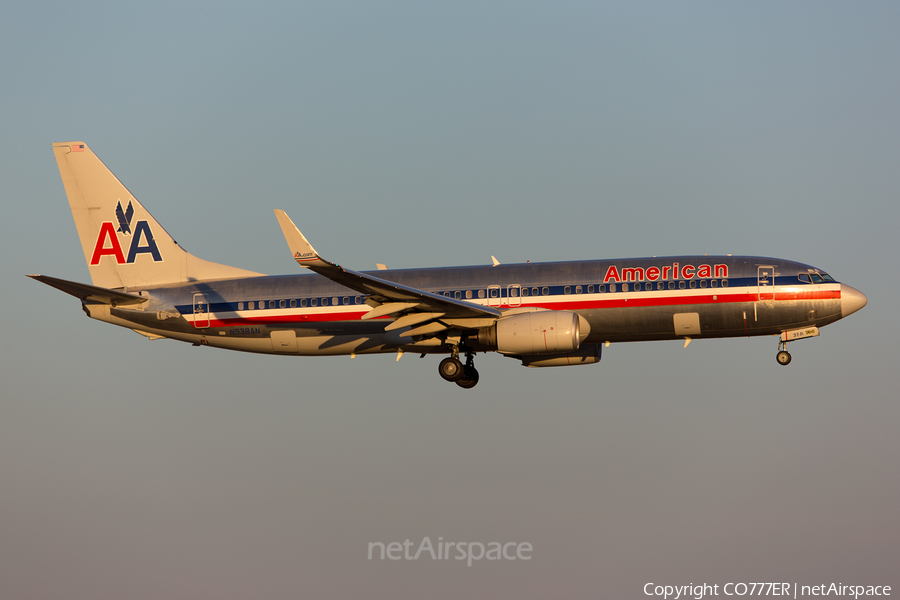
x=697, y=592
x=441, y=550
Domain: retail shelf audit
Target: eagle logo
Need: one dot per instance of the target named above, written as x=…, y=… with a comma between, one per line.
x=124, y=217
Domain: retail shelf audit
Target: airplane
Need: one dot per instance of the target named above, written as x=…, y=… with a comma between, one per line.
x=543, y=314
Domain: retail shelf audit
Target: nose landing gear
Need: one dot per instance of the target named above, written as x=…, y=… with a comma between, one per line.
x=783, y=357
x=451, y=369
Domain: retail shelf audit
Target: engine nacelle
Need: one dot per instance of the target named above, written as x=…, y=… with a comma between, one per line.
x=542, y=332
x=587, y=354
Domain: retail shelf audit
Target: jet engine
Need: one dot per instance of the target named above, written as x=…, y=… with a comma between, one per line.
x=542, y=332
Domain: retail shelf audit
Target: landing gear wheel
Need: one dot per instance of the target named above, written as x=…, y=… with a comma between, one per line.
x=783, y=358
x=450, y=369
x=469, y=378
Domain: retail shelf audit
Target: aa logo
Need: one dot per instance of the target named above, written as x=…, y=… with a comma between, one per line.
x=108, y=243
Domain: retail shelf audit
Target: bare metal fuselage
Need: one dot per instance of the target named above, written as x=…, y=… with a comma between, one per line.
x=759, y=296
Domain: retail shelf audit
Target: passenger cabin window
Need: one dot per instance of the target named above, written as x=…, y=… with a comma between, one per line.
x=671, y=285
x=577, y=289
x=590, y=289
x=293, y=304
x=282, y=304
x=524, y=291
x=714, y=283
x=468, y=294
x=314, y=302
x=660, y=285
x=271, y=304
x=457, y=295
x=681, y=285
x=612, y=287
x=534, y=291
x=624, y=287
x=302, y=302
x=703, y=283
x=545, y=291
x=693, y=284
x=481, y=293
x=568, y=289
x=240, y=306
x=724, y=283
x=602, y=288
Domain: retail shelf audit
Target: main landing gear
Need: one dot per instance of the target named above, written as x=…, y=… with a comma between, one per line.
x=783, y=357
x=451, y=369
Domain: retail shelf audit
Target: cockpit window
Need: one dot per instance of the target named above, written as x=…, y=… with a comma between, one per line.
x=817, y=277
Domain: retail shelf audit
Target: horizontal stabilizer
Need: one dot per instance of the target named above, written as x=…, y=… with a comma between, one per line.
x=91, y=293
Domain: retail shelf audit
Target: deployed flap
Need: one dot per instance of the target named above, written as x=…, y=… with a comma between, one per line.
x=381, y=290
x=388, y=308
x=90, y=293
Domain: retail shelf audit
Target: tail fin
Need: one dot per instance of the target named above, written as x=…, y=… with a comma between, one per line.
x=123, y=244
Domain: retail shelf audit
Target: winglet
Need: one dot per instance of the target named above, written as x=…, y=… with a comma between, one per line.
x=301, y=249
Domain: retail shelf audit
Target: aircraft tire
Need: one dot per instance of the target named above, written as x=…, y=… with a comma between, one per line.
x=469, y=378
x=783, y=358
x=450, y=369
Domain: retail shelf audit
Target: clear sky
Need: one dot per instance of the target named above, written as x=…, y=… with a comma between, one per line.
x=434, y=134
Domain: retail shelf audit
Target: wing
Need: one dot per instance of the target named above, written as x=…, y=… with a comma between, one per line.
x=425, y=312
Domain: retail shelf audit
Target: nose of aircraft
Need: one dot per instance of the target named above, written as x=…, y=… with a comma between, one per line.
x=851, y=300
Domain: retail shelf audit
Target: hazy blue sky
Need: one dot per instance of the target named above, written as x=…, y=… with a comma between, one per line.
x=432, y=134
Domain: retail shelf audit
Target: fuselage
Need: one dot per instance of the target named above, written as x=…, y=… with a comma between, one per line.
x=622, y=300
x=544, y=314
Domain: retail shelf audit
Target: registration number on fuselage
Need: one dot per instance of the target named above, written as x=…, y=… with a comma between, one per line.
x=243, y=331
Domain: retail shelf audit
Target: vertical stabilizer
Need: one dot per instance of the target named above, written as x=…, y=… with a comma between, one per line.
x=123, y=244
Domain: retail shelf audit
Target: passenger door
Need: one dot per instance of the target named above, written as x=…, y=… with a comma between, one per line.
x=765, y=281
x=201, y=311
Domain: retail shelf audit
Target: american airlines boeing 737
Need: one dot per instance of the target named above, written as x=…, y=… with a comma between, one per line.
x=543, y=314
